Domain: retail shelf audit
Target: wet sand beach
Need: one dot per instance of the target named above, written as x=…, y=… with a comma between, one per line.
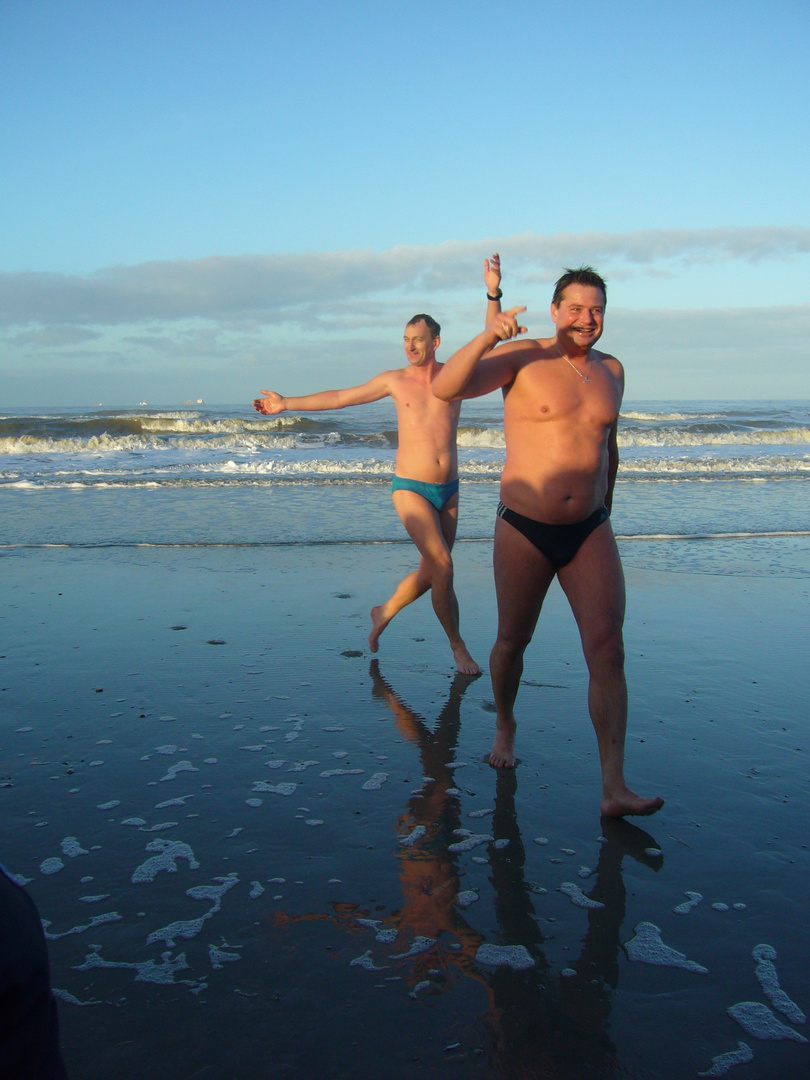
x=261, y=852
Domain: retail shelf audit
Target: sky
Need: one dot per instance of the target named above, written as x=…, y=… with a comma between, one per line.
x=201, y=199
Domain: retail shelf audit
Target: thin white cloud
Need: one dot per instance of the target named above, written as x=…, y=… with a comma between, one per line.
x=304, y=288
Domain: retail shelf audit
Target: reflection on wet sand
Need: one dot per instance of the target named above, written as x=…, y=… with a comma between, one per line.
x=540, y=1021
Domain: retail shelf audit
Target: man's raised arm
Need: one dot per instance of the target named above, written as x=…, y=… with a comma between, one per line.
x=492, y=280
x=272, y=403
x=463, y=377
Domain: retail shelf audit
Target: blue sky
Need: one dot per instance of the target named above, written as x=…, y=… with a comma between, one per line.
x=203, y=198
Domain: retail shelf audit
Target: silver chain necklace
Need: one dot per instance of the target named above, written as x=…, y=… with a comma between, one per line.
x=585, y=378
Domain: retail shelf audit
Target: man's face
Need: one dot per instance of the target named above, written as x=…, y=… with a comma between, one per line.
x=420, y=345
x=579, y=317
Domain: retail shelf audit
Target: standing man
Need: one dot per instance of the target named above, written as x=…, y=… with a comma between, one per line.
x=561, y=409
x=425, y=484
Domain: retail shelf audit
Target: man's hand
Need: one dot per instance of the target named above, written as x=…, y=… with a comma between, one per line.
x=492, y=274
x=270, y=404
x=505, y=324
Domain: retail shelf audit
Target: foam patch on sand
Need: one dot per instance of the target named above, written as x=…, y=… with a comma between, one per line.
x=724, y=1062
x=648, y=948
x=516, y=957
x=769, y=981
x=149, y=971
x=416, y=834
x=693, y=901
x=578, y=897
x=758, y=1020
x=169, y=852
x=375, y=781
x=190, y=928
x=96, y=920
x=470, y=840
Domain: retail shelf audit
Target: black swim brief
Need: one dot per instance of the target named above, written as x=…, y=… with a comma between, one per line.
x=559, y=543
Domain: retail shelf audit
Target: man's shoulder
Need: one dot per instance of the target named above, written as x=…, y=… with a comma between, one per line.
x=528, y=351
x=611, y=362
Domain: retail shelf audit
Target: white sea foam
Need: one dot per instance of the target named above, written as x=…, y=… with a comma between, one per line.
x=149, y=971
x=169, y=851
x=275, y=789
x=758, y=1020
x=181, y=766
x=366, y=962
x=469, y=841
x=419, y=945
x=71, y=999
x=516, y=957
x=72, y=848
x=189, y=928
x=693, y=901
x=375, y=781
x=223, y=954
x=724, y=1062
x=769, y=981
x=96, y=920
x=415, y=834
x=578, y=897
x=648, y=948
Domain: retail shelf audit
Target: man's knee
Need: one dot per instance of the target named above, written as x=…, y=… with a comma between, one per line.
x=605, y=651
x=512, y=641
x=441, y=569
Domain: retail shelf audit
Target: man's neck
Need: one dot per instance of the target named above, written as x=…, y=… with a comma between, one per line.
x=424, y=373
x=572, y=351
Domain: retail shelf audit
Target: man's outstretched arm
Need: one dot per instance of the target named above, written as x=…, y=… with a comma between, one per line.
x=475, y=370
x=272, y=403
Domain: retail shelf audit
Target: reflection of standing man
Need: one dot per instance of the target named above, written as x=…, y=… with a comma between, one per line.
x=425, y=486
x=561, y=408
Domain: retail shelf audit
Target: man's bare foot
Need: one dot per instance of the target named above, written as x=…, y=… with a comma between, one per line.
x=625, y=802
x=502, y=755
x=378, y=624
x=464, y=662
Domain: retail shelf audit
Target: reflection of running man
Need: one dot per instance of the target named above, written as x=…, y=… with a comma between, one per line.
x=425, y=487
x=561, y=408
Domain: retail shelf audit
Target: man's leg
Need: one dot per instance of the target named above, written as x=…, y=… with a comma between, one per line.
x=522, y=577
x=594, y=583
x=434, y=535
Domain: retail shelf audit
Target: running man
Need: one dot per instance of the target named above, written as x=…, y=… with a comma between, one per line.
x=561, y=409
x=425, y=484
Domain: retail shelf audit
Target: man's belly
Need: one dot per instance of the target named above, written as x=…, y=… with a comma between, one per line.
x=556, y=501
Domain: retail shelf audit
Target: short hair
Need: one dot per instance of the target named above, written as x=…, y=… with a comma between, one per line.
x=582, y=275
x=432, y=325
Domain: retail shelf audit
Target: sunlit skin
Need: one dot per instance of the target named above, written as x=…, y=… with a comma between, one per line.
x=427, y=428
x=561, y=464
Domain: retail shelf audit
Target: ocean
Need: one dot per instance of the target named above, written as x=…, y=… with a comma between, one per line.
x=710, y=486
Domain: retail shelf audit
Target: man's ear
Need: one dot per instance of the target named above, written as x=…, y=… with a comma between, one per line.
x=554, y=309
